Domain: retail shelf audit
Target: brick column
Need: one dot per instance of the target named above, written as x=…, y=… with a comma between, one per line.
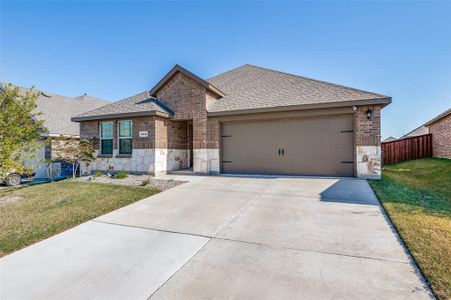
x=368, y=142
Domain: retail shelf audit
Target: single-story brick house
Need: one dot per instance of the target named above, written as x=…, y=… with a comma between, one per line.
x=248, y=120
x=440, y=128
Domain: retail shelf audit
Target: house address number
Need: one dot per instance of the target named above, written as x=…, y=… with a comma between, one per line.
x=143, y=134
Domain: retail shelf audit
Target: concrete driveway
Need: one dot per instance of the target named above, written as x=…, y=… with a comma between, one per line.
x=225, y=238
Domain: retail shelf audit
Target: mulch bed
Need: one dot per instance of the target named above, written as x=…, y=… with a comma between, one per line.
x=137, y=180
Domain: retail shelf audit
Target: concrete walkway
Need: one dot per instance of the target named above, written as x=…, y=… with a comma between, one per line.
x=225, y=238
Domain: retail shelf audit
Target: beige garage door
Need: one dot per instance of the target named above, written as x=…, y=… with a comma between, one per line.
x=310, y=146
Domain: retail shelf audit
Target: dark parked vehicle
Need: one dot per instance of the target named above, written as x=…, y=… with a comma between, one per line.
x=14, y=179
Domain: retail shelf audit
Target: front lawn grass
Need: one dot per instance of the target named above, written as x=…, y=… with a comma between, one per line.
x=417, y=197
x=48, y=209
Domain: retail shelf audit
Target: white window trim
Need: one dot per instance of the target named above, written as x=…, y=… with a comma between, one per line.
x=100, y=135
x=119, y=136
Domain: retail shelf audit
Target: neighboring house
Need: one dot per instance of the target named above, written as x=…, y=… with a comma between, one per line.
x=440, y=127
x=57, y=112
x=389, y=139
x=248, y=120
x=422, y=130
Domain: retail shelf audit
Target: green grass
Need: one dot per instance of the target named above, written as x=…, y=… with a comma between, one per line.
x=121, y=175
x=417, y=197
x=48, y=209
x=97, y=174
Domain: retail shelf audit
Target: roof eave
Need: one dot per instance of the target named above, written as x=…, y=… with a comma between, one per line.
x=196, y=78
x=121, y=115
x=438, y=118
x=379, y=101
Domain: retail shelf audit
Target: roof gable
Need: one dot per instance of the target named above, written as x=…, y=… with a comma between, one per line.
x=196, y=78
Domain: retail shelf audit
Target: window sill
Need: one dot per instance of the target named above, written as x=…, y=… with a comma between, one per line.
x=105, y=156
x=123, y=156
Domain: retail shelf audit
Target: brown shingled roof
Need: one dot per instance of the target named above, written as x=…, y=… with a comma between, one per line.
x=249, y=88
x=141, y=104
x=242, y=90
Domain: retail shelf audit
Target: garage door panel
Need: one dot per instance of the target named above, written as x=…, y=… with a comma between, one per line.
x=246, y=149
x=320, y=146
x=311, y=146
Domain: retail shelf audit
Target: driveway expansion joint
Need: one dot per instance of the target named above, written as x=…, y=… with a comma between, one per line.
x=251, y=201
x=254, y=243
x=313, y=251
x=153, y=229
x=181, y=267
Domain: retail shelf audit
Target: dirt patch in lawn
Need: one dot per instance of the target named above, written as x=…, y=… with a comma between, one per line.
x=10, y=199
x=137, y=180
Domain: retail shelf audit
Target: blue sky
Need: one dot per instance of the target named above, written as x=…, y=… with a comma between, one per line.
x=115, y=49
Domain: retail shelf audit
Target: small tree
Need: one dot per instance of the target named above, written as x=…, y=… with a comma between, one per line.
x=73, y=151
x=20, y=130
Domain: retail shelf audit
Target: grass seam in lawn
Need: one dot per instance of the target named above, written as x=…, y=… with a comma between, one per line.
x=418, y=270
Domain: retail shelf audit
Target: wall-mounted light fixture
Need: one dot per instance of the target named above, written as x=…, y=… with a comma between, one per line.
x=369, y=113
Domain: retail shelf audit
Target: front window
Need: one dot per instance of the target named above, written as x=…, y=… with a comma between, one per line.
x=125, y=137
x=106, y=137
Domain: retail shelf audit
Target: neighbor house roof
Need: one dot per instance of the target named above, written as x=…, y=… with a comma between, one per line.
x=142, y=104
x=422, y=130
x=254, y=89
x=389, y=139
x=439, y=117
x=57, y=111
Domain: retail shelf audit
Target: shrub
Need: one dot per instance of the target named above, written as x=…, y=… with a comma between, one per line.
x=145, y=182
x=121, y=175
x=97, y=174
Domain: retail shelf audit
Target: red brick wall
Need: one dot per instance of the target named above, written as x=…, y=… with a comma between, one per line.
x=161, y=133
x=441, y=137
x=188, y=99
x=214, y=133
x=177, y=134
x=142, y=124
x=368, y=132
x=90, y=129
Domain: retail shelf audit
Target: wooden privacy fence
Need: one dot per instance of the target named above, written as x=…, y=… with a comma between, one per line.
x=407, y=149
